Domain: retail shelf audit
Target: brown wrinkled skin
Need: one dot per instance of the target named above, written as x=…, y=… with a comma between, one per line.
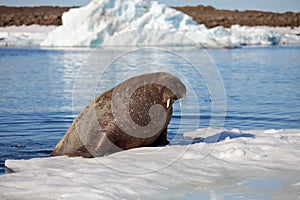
x=95, y=132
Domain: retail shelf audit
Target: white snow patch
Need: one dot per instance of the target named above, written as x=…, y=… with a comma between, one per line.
x=31, y=35
x=165, y=172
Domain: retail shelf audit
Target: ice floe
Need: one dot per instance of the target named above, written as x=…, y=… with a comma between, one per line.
x=237, y=164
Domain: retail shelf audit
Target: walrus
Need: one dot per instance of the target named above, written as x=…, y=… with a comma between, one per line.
x=135, y=113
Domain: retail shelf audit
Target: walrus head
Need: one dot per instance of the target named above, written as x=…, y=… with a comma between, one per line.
x=174, y=88
x=140, y=97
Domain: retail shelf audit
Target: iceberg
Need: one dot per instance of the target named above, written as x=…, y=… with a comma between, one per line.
x=140, y=23
x=148, y=23
x=241, y=164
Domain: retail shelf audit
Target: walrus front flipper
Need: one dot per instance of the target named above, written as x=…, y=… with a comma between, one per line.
x=99, y=144
x=161, y=140
x=83, y=152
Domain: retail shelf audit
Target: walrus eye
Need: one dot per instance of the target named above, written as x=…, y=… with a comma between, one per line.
x=168, y=103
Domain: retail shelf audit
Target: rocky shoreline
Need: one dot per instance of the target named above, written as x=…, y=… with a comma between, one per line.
x=211, y=17
x=42, y=15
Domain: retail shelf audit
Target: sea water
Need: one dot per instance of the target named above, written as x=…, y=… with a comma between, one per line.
x=39, y=92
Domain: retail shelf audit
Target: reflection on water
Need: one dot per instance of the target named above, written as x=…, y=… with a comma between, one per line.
x=41, y=89
x=278, y=187
x=35, y=100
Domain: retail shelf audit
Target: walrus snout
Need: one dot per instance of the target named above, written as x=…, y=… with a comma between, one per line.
x=176, y=91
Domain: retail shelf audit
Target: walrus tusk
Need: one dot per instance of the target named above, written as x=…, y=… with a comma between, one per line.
x=168, y=103
x=180, y=103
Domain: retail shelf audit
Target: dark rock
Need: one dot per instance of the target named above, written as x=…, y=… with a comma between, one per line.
x=42, y=15
x=212, y=17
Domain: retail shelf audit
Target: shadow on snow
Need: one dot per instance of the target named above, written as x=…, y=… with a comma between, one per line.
x=222, y=136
